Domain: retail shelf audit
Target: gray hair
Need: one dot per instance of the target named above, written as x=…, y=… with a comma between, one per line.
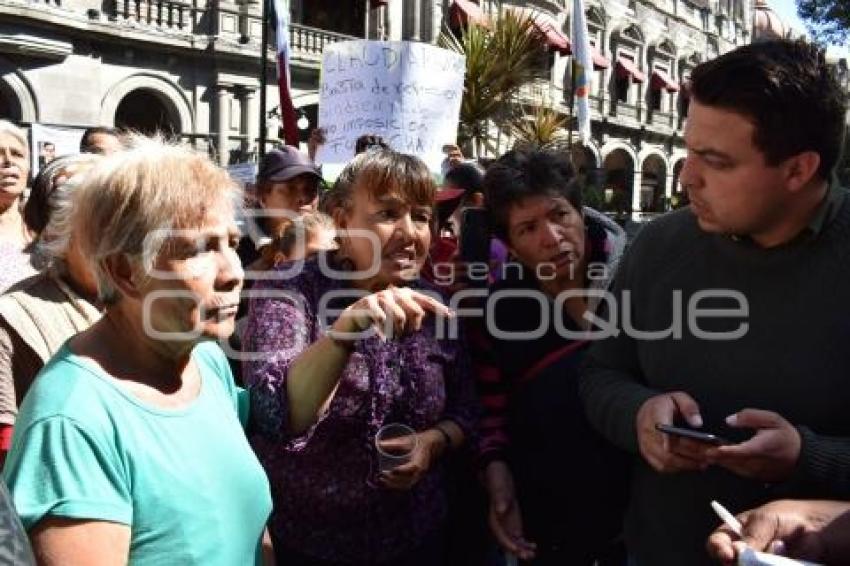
x=132, y=200
x=53, y=241
x=7, y=127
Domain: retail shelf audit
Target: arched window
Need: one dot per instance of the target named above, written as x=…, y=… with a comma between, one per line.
x=628, y=62
x=146, y=111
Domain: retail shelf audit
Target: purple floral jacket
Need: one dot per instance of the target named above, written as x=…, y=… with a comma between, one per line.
x=326, y=502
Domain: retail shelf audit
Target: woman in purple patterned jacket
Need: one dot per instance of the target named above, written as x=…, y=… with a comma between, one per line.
x=342, y=344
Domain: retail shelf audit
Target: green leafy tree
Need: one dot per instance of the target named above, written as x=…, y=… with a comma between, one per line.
x=827, y=20
x=542, y=128
x=500, y=58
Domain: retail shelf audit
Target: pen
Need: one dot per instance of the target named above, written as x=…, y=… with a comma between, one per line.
x=728, y=518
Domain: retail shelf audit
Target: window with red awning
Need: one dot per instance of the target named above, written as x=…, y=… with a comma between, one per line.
x=555, y=38
x=600, y=61
x=548, y=26
x=626, y=67
x=661, y=81
x=465, y=12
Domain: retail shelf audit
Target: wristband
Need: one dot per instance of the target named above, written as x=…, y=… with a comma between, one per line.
x=446, y=436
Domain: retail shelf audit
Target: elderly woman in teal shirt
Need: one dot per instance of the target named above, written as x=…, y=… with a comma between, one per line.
x=129, y=447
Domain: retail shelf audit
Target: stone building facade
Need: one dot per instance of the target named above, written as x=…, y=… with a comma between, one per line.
x=644, y=52
x=192, y=67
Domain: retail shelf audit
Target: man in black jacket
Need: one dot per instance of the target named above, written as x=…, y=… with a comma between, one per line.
x=733, y=315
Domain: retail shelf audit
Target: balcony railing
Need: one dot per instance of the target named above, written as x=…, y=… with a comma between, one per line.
x=177, y=16
x=169, y=15
x=597, y=105
x=540, y=92
x=627, y=110
x=662, y=119
x=309, y=42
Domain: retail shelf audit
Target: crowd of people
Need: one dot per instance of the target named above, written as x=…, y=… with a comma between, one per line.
x=360, y=374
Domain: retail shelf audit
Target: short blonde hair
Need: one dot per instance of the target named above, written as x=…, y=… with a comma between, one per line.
x=7, y=127
x=128, y=202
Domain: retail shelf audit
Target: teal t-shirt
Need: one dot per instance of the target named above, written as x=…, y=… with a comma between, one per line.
x=185, y=481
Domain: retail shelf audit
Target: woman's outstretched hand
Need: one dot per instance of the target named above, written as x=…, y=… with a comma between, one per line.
x=392, y=312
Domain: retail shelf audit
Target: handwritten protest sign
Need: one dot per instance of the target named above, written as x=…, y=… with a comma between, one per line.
x=407, y=93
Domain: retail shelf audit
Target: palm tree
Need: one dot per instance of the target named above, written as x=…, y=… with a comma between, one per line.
x=542, y=128
x=500, y=58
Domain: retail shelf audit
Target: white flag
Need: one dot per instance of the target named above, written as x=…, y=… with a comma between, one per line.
x=583, y=67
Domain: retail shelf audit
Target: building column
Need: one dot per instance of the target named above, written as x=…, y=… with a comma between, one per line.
x=250, y=119
x=394, y=20
x=643, y=88
x=223, y=110
x=417, y=20
x=437, y=16
x=606, y=50
x=668, y=182
x=636, y=189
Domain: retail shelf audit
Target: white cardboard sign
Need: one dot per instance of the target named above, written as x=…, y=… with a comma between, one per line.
x=408, y=93
x=50, y=142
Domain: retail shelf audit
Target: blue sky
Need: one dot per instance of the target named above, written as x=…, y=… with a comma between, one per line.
x=787, y=10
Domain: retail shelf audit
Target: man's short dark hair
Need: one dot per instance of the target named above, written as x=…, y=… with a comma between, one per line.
x=466, y=176
x=369, y=141
x=86, y=141
x=520, y=174
x=789, y=93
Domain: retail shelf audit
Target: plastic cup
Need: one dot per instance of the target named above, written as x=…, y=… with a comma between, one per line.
x=396, y=444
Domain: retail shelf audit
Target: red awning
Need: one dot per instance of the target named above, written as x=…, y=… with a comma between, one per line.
x=555, y=38
x=465, y=12
x=660, y=80
x=548, y=27
x=600, y=61
x=626, y=67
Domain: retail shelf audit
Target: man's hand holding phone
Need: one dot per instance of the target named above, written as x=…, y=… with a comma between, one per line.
x=664, y=452
x=770, y=455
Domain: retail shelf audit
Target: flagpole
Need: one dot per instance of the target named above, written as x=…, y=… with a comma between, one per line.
x=582, y=66
x=572, y=100
x=263, y=79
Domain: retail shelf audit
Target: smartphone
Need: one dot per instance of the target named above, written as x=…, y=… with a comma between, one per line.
x=691, y=434
x=475, y=235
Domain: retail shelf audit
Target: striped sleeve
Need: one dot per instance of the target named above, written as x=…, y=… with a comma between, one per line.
x=493, y=390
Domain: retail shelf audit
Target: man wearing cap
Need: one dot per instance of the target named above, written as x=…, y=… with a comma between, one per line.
x=287, y=187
